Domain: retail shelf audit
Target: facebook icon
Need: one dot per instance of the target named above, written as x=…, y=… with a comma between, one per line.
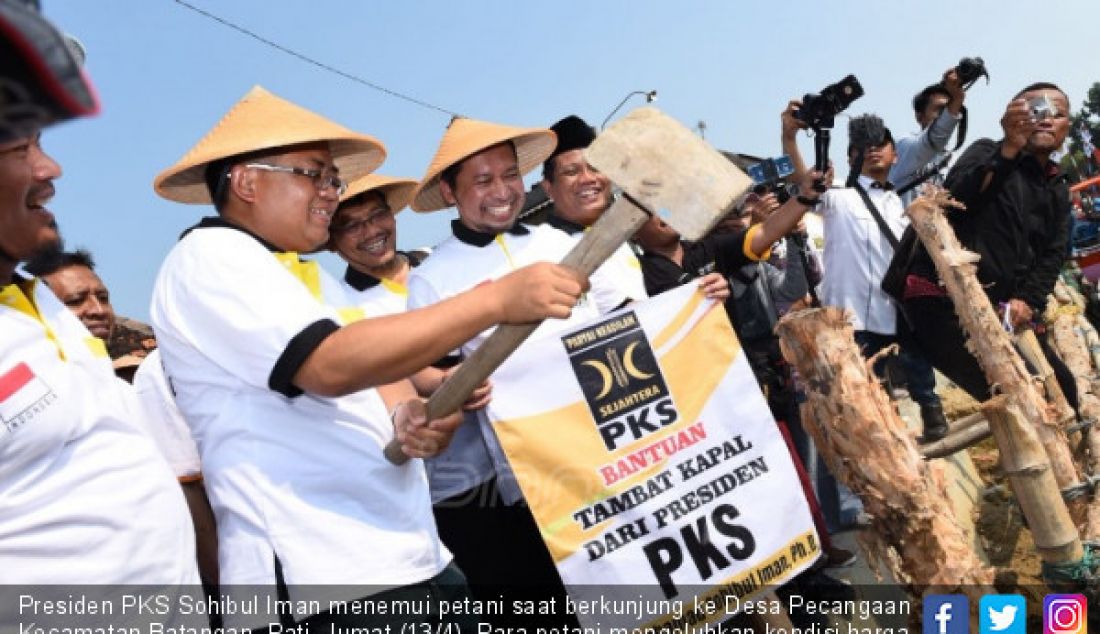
x=946, y=614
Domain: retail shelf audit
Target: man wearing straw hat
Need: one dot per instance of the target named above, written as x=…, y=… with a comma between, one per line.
x=274, y=380
x=364, y=234
x=86, y=499
x=479, y=169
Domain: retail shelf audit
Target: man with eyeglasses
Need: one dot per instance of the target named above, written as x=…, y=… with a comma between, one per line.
x=275, y=377
x=1017, y=219
x=364, y=234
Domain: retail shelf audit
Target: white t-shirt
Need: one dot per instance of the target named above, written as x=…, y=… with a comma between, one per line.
x=376, y=297
x=474, y=455
x=857, y=254
x=622, y=269
x=85, y=498
x=293, y=476
x=163, y=421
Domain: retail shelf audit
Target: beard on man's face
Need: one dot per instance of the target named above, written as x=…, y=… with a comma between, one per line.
x=50, y=249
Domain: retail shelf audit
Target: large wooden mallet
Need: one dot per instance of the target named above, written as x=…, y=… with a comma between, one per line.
x=664, y=170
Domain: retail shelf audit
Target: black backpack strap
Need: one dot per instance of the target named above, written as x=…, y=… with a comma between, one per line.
x=885, y=228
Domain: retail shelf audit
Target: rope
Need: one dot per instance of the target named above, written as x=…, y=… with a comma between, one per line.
x=310, y=60
x=1082, y=572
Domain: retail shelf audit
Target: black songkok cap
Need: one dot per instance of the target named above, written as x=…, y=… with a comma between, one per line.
x=573, y=133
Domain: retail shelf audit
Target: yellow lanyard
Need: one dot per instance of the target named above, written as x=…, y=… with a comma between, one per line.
x=309, y=274
x=22, y=300
x=504, y=247
x=397, y=288
x=306, y=271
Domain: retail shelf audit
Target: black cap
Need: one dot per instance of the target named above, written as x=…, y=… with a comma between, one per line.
x=573, y=133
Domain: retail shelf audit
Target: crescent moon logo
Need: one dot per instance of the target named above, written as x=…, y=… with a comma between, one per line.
x=605, y=376
x=628, y=363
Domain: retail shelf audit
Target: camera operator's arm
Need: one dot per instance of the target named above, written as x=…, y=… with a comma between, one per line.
x=789, y=139
x=939, y=132
x=786, y=218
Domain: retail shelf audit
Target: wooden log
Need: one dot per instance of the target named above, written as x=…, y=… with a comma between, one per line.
x=957, y=441
x=1027, y=467
x=868, y=447
x=986, y=338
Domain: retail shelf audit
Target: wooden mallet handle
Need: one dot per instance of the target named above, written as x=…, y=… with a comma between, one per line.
x=613, y=228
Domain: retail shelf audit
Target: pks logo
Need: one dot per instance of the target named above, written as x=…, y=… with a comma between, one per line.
x=946, y=614
x=618, y=373
x=1065, y=614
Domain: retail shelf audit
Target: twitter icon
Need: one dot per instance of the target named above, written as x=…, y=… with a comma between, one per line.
x=1002, y=614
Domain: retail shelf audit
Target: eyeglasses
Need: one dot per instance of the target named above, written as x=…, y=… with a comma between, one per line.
x=357, y=226
x=322, y=179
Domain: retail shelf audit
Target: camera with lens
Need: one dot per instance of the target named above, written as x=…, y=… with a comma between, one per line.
x=768, y=177
x=818, y=110
x=970, y=69
x=1040, y=108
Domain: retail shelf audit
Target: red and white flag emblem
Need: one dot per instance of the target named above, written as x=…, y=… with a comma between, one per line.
x=22, y=396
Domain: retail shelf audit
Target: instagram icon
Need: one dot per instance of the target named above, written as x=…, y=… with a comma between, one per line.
x=1064, y=614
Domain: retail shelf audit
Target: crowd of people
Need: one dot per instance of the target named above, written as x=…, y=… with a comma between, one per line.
x=276, y=385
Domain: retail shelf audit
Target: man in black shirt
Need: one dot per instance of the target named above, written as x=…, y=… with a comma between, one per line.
x=1016, y=219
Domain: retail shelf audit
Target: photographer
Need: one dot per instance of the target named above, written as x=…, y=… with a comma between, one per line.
x=1016, y=219
x=938, y=109
x=858, y=249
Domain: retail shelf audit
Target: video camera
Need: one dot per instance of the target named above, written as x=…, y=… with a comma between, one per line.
x=969, y=70
x=768, y=176
x=819, y=110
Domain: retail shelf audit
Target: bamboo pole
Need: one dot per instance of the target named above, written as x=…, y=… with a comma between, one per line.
x=1072, y=344
x=868, y=447
x=1028, y=346
x=1027, y=467
x=957, y=440
x=987, y=339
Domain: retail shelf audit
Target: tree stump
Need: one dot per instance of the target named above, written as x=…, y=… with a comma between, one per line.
x=868, y=447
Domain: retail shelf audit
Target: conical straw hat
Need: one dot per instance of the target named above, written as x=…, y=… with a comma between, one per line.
x=397, y=191
x=466, y=137
x=262, y=121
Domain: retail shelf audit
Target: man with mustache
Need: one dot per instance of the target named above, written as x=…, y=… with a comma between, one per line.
x=87, y=499
x=364, y=234
x=1017, y=219
x=71, y=276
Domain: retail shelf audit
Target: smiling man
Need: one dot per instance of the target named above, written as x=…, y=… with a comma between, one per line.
x=86, y=499
x=581, y=194
x=364, y=234
x=479, y=169
x=276, y=381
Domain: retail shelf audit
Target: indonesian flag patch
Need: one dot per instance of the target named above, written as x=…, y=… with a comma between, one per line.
x=23, y=396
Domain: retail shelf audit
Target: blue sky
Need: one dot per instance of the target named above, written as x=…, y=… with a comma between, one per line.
x=166, y=74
